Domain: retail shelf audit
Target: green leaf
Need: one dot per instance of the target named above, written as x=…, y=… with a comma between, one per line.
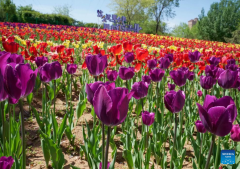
x=73, y=167
x=57, y=156
x=30, y=98
x=61, y=129
x=80, y=108
x=138, y=108
x=114, y=159
x=46, y=152
x=128, y=157
x=39, y=121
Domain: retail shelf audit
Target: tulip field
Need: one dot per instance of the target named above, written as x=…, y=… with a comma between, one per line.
x=76, y=97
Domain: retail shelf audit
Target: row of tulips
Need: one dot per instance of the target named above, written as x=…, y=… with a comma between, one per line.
x=162, y=93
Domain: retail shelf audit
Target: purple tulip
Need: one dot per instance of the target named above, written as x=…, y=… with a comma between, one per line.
x=231, y=62
x=152, y=63
x=207, y=82
x=126, y=73
x=179, y=77
x=15, y=58
x=169, y=56
x=111, y=107
x=235, y=133
x=40, y=61
x=3, y=63
x=237, y=83
x=194, y=56
x=19, y=81
x=227, y=79
x=232, y=67
x=220, y=70
x=6, y=162
x=50, y=71
x=140, y=90
x=218, y=115
x=171, y=86
x=112, y=75
x=100, y=165
x=174, y=101
x=214, y=61
x=156, y=74
x=148, y=118
x=191, y=75
x=211, y=70
x=96, y=64
x=71, y=68
x=200, y=127
x=164, y=63
x=129, y=57
x=3, y=94
x=92, y=87
x=199, y=93
x=146, y=79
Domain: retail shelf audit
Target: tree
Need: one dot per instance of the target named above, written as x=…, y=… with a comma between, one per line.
x=135, y=11
x=235, y=37
x=8, y=11
x=150, y=25
x=62, y=10
x=221, y=20
x=161, y=8
x=182, y=30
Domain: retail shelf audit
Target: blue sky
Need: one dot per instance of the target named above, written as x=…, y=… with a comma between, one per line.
x=86, y=10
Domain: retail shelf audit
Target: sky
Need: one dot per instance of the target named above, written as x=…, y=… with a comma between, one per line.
x=86, y=10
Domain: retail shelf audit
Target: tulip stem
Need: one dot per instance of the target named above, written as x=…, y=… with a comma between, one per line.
x=71, y=91
x=23, y=135
x=218, y=153
x=103, y=146
x=54, y=95
x=107, y=147
x=3, y=127
x=200, y=151
x=210, y=152
x=142, y=104
x=174, y=140
x=147, y=138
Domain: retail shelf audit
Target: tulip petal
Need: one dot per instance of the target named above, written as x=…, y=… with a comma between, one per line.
x=178, y=101
x=215, y=113
x=26, y=77
x=232, y=110
x=208, y=100
x=224, y=101
x=12, y=85
x=117, y=96
x=102, y=104
x=223, y=125
x=206, y=121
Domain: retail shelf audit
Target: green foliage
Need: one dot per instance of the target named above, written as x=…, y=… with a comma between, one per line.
x=150, y=25
x=7, y=11
x=93, y=25
x=221, y=20
x=183, y=31
x=235, y=37
x=37, y=17
x=135, y=11
x=160, y=9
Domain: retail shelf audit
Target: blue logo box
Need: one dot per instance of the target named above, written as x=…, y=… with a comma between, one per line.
x=227, y=156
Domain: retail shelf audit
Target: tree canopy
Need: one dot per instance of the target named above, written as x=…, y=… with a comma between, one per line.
x=221, y=20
